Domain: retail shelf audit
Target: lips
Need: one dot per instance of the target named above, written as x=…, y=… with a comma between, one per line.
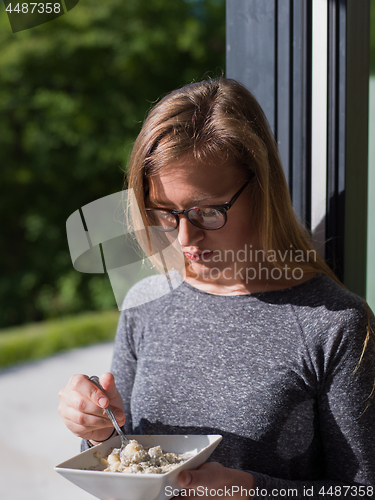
x=198, y=256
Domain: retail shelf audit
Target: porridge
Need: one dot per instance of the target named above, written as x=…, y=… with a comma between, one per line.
x=137, y=459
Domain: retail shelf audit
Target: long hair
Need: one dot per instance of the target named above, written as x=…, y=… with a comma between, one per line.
x=219, y=120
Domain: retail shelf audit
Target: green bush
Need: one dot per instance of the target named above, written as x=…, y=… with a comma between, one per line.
x=73, y=95
x=44, y=339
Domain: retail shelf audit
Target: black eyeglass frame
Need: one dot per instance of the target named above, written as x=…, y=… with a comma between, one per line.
x=220, y=208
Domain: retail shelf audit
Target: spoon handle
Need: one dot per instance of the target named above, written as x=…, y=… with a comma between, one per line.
x=120, y=430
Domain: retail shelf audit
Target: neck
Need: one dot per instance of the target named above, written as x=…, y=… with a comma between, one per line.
x=220, y=286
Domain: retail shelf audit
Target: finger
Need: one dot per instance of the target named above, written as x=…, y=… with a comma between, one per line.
x=206, y=475
x=85, y=404
x=86, y=426
x=89, y=433
x=84, y=396
x=82, y=385
x=107, y=381
x=77, y=404
x=76, y=401
x=119, y=415
x=94, y=418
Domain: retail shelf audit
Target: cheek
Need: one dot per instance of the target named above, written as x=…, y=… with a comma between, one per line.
x=230, y=237
x=247, y=221
x=241, y=238
x=239, y=229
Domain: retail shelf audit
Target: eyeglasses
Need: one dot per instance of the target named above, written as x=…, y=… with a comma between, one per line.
x=207, y=217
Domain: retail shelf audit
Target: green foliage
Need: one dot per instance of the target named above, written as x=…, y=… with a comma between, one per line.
x=73, y=94
x=40, y=340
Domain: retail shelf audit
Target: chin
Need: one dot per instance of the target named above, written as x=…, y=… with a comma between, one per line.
x=201, y=271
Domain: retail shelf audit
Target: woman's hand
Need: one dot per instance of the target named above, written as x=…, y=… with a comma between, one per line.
x=212, y=480
x=82, y=407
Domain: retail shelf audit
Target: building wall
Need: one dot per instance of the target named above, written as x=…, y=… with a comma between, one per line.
x=371, y=200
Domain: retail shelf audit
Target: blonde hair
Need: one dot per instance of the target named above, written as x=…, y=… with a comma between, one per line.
x=219, y=120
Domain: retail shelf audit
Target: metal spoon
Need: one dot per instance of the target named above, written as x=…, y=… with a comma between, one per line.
x=120, y=430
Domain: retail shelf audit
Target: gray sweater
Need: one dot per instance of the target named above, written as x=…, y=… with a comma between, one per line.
x=275, y=373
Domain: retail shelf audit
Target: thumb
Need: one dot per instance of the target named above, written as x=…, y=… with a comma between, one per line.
x=107, y=381
x=115, y=400
x=185, y=478
x=206, y=475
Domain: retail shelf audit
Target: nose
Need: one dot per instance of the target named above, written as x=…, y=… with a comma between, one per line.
x=188, y=234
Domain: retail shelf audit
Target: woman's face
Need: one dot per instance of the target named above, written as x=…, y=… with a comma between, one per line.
x=214, y=258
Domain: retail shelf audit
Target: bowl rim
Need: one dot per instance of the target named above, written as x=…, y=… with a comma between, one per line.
x=60, y=467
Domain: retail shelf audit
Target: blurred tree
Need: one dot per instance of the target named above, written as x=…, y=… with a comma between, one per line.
x=73, y=94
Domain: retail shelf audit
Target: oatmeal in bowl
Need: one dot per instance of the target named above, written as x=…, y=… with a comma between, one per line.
x=101, y=470
x=137, y=459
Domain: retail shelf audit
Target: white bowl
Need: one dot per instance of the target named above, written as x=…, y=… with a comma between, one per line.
x=129, y=486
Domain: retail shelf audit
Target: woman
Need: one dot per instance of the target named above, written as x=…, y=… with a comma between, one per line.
x=260, y=342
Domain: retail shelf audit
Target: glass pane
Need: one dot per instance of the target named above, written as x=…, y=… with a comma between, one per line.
x=371, y=174
x=209, y=218
x=161, y=220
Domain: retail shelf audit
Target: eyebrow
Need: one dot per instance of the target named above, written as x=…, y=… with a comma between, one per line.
x=192, y=203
